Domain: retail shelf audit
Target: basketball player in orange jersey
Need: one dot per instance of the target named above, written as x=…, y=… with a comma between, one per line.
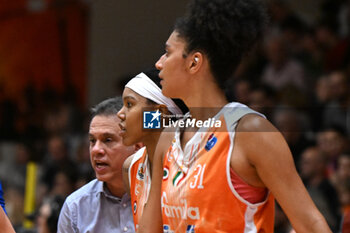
x=223, y=178
x=141, y=93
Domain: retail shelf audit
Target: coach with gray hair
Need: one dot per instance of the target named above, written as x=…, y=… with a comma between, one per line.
x=102, y=205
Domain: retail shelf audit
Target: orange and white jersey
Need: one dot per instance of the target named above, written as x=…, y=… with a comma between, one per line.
x=197, y=192
x=140, y=183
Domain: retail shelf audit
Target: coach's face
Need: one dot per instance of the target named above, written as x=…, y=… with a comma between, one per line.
x=107, y=152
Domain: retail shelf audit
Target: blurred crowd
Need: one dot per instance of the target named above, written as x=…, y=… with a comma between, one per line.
x=298, y=76
x=49, y=129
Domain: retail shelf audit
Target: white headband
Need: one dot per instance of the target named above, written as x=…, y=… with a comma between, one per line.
x=144, y=86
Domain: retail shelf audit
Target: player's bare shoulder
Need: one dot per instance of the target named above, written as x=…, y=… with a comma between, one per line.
x=255, y=123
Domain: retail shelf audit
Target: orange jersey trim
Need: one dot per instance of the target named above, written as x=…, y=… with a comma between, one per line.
x=140, y=182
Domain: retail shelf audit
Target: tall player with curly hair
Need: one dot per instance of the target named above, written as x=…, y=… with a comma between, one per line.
x=222, y=179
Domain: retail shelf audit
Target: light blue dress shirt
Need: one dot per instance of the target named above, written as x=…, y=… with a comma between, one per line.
x=93, y=209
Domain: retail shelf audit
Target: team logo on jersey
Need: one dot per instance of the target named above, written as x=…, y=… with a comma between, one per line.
x=180, y=176
x=151, y=119
x=182, y=211
x=166, y=229
x=140, y=172
x=137, y=187
x=165, y=173
x=211, y=142
x=135, y=207
x=190, y=229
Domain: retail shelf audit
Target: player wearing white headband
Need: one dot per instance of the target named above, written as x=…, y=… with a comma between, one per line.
x=142, y=93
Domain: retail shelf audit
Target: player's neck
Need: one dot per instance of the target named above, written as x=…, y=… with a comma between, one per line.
x=205, y=101
x=150, y=143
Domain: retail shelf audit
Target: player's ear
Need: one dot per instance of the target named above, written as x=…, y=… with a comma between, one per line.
x=195, y=62
x=163, y=109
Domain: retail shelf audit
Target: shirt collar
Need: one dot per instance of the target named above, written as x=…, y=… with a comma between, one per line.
x=103, y=190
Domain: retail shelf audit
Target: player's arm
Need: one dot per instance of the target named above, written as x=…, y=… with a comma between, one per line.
x=126, y=178
x=267, y=151
x=5, y=224
x=151, y=220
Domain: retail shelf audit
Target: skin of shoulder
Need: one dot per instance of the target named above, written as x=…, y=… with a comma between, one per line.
x=261, y=148
x=126, y=167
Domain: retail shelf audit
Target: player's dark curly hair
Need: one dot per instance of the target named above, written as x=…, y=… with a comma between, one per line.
x=224, y=30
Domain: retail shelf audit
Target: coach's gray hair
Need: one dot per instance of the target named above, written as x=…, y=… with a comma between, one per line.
x=107, y=107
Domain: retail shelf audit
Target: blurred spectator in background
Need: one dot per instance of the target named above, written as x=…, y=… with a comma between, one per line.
x=344, y=18
x=56, y=121
x=64, y=182
x=241, y=90
x=262, y=99
x=332, y=142
x=23, y=156
x=85, y=171
x=313, y=172
x=15, y=206
x=320, y=97
x=330, y=10
x=282, y=71
x=56, y=160
x=27, y=123
x=48, y=214
x=311, y=57
x=16, y=166
x=15, y=182
x=292, y=31
x=283, y=18
x=344, y=196
x=342, y=173
x=291, y=124
x=63, y=114
x=328, y=40
x=334, y=49
x=323, y=91
x=337, y=112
